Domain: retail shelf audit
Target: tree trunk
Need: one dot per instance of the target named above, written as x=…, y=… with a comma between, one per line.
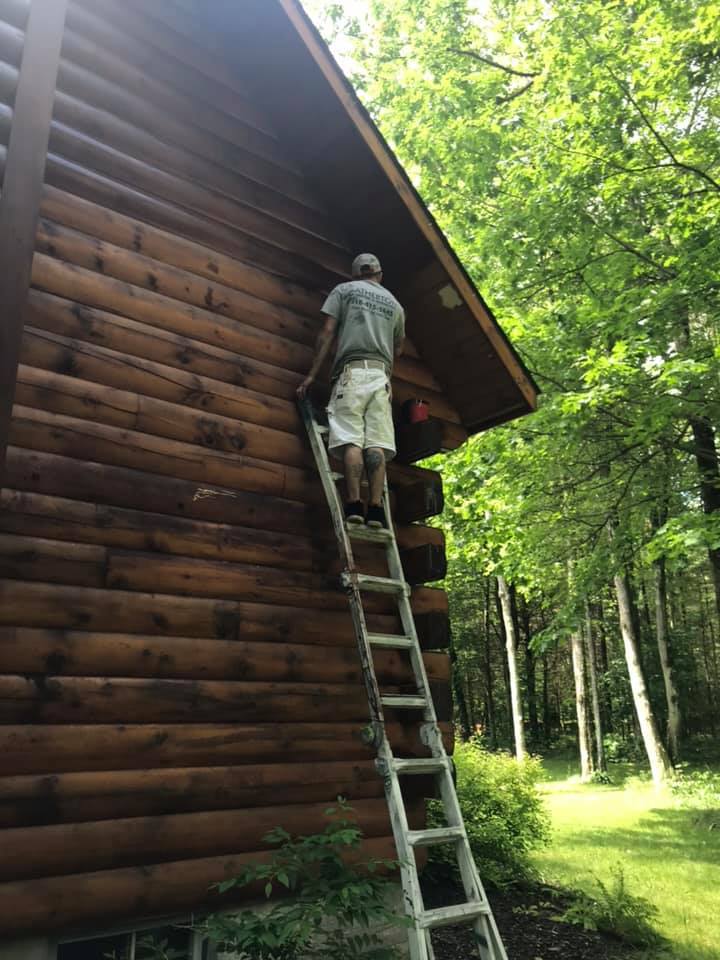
x=706, y=458
x=576, y=647
x=657, y=756
x=459, y=694
x=487, y=670
x=502, y=637
x=530, y=674
x=605, y=668
x=511, y=648
x=600, y=763
x=547, y=719
x=674, y=717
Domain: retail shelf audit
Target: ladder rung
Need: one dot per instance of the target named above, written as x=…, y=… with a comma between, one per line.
x=446, y=916
x=400, y=702
x=428, y=838
x=323, y=431
x=420, y=766
x=371, y=534
x=380, y=584
x=337, y=476
x=390, y=642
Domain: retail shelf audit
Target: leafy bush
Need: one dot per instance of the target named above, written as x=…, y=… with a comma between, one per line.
x=615, y=911
x=621, y=749
x=697, y=788
x=503, y=810
x=334, y=908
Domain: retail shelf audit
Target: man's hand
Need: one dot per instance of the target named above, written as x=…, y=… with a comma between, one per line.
x=304, y=387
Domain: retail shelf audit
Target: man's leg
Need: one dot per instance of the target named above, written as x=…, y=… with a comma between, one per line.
x=375, y=466
x=353, y=458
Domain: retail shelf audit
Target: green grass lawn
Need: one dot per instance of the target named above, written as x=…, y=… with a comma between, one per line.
x=670, y=855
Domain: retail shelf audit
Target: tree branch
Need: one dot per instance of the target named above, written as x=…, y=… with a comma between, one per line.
x=516, y=93
x=493, y=63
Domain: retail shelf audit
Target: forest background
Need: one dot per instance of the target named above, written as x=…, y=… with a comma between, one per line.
x=571, y=152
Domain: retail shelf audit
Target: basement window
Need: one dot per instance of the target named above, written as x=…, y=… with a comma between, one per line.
x=159, y=943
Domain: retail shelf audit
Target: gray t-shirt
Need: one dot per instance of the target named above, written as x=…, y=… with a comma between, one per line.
x=370, y=322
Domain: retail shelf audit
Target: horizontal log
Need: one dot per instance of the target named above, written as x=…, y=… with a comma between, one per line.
x=69, y=436
x=132, y=267
x=110, y=795
x=48, y=473
x=127, y=265
x=101, y=345
x=55, y=561
x=116, y=352
x=50, y=699
x=265, y=212
x=43, y=750
x=131, y=233
x=39, y=429
x=99, y=76
x=128, y=155
x=73, y=848
x=142, y=201
x=81, y=608
x=59, y=518
x=267, y=238
x=158, y=50
x=52, y=561
x=96, y=290
x=81, y=654
x=102, y=898
x=224, y=273
x=56, y=393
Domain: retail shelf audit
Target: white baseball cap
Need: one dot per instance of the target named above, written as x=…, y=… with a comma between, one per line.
x=365, y=264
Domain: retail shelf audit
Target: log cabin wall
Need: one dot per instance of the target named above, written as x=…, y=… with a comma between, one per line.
x=177, y=664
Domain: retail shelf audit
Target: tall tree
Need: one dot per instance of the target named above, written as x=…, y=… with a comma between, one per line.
x=511, y=649
x=600, y=763
x=578, y=663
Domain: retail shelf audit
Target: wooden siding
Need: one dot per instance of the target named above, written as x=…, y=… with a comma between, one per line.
x=175, y=652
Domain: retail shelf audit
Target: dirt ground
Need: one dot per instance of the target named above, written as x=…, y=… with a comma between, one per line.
x=524, y=919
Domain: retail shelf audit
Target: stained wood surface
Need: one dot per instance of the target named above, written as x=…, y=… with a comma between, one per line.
x=79, y=901
x=175, y=649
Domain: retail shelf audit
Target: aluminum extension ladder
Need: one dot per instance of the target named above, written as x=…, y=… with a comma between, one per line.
x=476, y=909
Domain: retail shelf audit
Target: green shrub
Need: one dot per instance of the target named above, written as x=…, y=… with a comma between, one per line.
x=615, y=911
x=697, y=788
x=503, y=810
x=621, y=749
x=334, y=908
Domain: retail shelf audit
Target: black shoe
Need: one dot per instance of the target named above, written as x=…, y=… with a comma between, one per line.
x=355, y=512
x=376, y=517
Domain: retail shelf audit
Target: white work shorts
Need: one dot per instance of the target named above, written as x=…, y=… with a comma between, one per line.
x=360, y=411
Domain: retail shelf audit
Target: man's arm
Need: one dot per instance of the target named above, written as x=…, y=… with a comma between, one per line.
x=322, y=348
x=399, y=333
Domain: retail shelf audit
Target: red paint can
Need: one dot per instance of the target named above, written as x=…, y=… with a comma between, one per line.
x=416, y=411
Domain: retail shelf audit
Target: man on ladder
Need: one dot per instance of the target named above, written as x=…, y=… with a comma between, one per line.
x=369, y=325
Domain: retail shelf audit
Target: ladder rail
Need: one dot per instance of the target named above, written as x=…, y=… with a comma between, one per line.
x=357, y=612
x=476, y=909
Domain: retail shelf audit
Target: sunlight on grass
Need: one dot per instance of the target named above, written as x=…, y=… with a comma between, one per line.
x=670, y=855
